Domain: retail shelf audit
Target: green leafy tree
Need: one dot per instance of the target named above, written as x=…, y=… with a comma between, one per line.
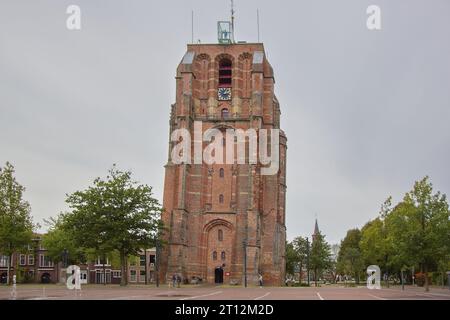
x=116, y=213
x=16, y=224
x=350, y=259
x=373, y=244
x=57, y=240
x=291, y=258
x=319, y=256
x=414, y=233
x=333, y=270
x=424, y=238
x=301, y=248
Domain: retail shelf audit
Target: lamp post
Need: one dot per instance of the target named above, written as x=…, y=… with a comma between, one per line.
x=65, y=257
x=157, y=262
x=245, y=263
x=145, y=268
x=307, y=258
x=403, y=280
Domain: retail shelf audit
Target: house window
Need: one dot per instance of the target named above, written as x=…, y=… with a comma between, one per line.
x=101, y=261
x=3, y=261
x=117, y=274
x=221, y=198
x=215, y=255
x=133, y=275
x=142, y=260
x=221, y=173
x=142, y=276
x=220, y=235
x=45, y=261
x=22, y=260
x=222, y=255
x=225, y=113
x=152, y=258
x=31, y=259
x=225, y=75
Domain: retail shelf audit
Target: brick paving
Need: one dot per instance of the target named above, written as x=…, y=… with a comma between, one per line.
x=98, y=292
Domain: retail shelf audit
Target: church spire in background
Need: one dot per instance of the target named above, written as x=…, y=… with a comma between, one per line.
x=316, y=230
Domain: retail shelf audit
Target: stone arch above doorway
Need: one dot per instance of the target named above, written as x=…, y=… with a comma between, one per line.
x=218, y=241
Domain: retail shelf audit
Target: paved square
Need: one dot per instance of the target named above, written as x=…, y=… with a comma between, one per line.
x=99, y=292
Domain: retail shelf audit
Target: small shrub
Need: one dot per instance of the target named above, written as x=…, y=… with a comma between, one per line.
x=420, y=279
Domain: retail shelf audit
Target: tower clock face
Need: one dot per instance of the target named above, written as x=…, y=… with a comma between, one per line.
x=224, y=94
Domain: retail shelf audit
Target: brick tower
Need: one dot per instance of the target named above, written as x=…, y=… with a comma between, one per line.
x=225, y=222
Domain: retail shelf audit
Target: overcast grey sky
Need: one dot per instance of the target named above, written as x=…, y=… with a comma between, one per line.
x=366, y=112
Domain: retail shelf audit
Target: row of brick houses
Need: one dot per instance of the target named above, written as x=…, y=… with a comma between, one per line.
x=33, y=265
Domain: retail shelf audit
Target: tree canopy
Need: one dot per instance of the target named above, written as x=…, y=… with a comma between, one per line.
x=16, y=224
x=115, y=213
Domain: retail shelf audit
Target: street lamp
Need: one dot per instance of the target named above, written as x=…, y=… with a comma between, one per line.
x=307, y=258
x=157, y=262
x=145, y=267
x=65, y=256
x=403, y=279
x=245, y=263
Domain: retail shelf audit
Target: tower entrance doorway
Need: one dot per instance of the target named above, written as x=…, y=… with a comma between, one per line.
x=218, y=275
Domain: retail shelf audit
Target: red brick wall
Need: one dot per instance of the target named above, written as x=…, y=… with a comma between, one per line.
x=253, y=207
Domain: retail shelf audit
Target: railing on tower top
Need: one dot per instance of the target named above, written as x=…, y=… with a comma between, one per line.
x=220, y=117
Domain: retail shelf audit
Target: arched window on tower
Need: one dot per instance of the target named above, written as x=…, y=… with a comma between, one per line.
x=222, y=255
x=214, y=255
x=221, y=198
x=221, y=173
x=225, y=73
x=225, y=113
x=220, y=235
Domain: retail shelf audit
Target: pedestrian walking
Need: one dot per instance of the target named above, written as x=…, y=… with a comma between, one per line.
x=260, y=279
x=174, y=280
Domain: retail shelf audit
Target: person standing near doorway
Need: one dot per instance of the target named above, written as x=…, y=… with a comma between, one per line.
x=260, y=279
x=174, y=280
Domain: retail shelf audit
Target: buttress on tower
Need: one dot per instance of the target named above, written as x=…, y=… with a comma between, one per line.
x=220, y=216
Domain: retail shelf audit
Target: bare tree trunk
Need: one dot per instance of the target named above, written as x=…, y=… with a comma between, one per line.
x=104, y=274
x=315, y=277
x=300, y=274
x=123, y=279
x=427, y=287
x=8, y=272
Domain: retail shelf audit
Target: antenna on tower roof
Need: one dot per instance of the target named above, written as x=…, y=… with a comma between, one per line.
x=192, y=26
x=257, y=21
x=232, y=21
